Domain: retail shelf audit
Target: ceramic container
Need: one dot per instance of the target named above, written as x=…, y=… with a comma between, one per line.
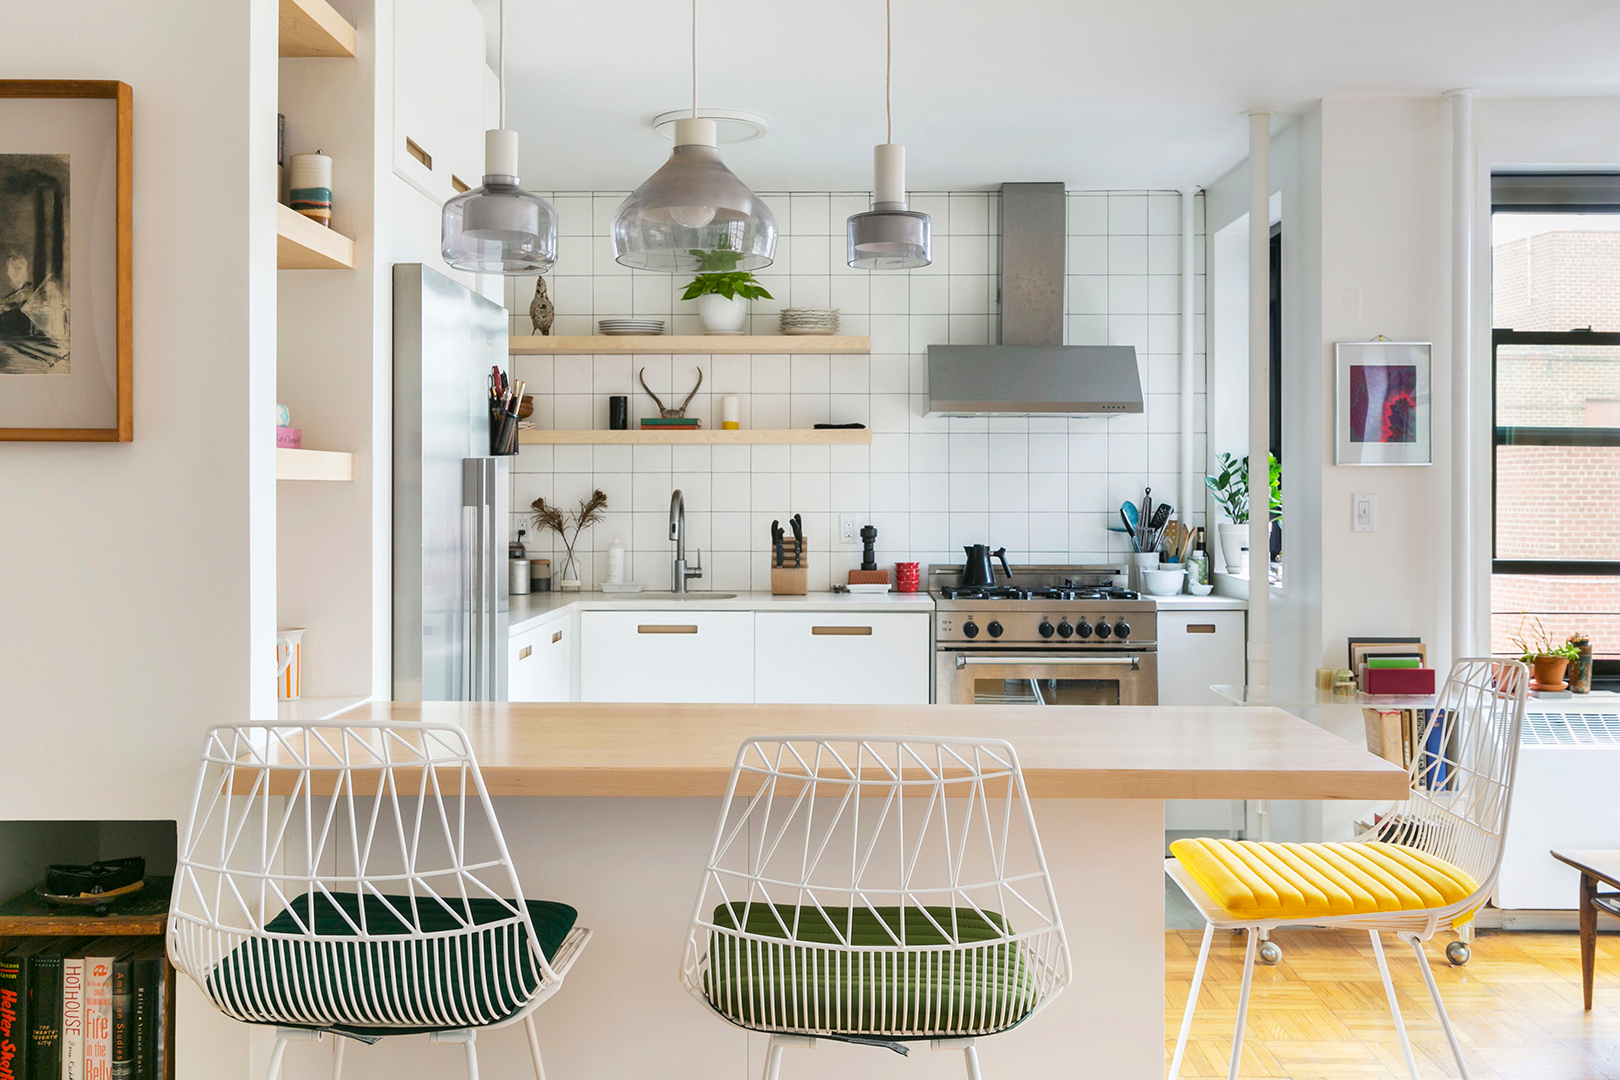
x=721, y=315
x=309, y=187
x=1163, y=582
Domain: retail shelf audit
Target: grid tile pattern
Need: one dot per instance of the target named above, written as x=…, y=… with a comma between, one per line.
x=1046, y=488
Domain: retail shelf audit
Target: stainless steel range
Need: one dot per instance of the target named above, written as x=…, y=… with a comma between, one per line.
x=1046, y=635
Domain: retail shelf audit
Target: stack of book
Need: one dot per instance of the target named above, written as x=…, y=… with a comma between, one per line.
x=1391, y=666
x=670, y=423
x=83, y=1009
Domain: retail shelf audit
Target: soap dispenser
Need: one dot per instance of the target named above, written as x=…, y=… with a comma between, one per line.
x=615, y=562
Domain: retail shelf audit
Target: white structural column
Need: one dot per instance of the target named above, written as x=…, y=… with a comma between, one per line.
x=1462, y=383
x=1189, y=277
x=1259, y=405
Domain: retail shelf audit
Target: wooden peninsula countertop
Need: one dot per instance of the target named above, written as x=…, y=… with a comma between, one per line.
x=1075, y=752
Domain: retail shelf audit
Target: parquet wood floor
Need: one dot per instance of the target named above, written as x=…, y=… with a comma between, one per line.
x=1321, y=1012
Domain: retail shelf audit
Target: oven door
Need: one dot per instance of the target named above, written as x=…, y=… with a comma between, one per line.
x=1094, y=678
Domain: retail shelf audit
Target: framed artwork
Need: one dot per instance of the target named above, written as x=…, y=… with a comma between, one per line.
x=66, y=163
x=1383, y=407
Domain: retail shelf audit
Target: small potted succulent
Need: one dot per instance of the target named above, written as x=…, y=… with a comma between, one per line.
x=1547, y=661
x=722, y=292
x=1231, y=490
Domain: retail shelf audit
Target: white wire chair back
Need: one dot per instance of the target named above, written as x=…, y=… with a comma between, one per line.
x=881, y=887
x=354, y=875
x=1462, y=774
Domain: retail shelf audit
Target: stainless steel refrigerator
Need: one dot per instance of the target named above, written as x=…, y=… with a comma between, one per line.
x=451, y=498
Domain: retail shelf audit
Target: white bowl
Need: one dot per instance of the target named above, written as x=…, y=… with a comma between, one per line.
x=1200, y=590
x=1163, y=582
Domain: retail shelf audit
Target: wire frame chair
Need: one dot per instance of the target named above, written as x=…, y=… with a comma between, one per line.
x=876, y=890
x=353, y=878
x=1461, y=789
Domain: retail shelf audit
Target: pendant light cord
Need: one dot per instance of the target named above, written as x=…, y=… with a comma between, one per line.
x=888, y=64
x=500, y=57
x=694, y=59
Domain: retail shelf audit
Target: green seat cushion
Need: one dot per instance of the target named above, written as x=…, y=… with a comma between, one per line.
x=936, y=985
x=372, y=988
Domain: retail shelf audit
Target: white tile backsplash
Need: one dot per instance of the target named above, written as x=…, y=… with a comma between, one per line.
x=1046, y=488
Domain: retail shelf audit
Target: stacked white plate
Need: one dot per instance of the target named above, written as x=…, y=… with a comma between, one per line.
x=621, y=327
x=809, y=320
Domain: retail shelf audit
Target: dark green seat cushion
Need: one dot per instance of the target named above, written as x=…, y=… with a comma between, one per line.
x=936, y=985
x=406, y=987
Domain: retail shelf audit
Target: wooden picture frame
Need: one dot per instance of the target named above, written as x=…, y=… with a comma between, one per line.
x=1383, y=407
x=114, y=404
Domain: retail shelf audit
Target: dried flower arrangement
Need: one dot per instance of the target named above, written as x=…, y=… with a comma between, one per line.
x=568, y=525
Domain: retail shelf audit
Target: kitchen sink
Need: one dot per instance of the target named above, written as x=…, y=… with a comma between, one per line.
x=665, y=595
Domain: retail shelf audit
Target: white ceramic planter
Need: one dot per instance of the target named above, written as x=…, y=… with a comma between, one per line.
x=720, y=315
x=1234, y=538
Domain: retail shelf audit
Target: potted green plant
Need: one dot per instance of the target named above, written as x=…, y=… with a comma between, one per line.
x=722, y=291
x=1547, y=661
x=1230, y=486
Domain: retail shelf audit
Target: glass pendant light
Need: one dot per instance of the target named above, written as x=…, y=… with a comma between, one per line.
x=888, y=236
x=500, y=228
x=694, y=215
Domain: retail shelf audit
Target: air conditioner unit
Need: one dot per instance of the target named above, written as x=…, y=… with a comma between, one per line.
x=1569, y=763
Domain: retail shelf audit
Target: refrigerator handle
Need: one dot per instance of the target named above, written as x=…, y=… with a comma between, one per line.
x=469, y=601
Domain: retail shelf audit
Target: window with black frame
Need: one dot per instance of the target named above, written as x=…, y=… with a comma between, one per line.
x=1555, y=353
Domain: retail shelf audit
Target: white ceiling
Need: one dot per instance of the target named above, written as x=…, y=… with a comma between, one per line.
x=1098, y=94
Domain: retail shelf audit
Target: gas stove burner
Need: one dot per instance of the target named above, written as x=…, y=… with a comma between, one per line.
x=1066, y=592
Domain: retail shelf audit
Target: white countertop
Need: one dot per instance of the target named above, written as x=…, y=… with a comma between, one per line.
x=528, y=611
x=1188, y=602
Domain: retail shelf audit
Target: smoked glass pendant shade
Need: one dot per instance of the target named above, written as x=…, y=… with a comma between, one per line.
x=693, y=215
x=500, y=228
x=888, y=236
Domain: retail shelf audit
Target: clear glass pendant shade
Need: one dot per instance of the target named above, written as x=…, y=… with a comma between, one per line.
x=693, y=215
x=888, y=236
x=500, y=228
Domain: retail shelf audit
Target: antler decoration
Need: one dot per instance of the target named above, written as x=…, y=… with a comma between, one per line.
x=664, y=411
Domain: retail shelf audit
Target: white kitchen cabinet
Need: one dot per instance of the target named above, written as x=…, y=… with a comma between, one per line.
x=439, y=73
x=1198, y=649
x=876, y=658
x=694, y=656
x=540, y=662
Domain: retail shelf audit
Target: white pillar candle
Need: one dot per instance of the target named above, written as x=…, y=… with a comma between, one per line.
x=729, y=413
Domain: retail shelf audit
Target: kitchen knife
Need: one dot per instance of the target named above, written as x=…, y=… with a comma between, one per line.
x=776, y=540
x=798, y=540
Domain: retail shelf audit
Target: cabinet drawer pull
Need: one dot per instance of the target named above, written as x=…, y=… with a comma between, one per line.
x=556, y=637
x=523, y=653
x=1200, y=628
x=665, y=628
x=841, y=631
x=418, y=153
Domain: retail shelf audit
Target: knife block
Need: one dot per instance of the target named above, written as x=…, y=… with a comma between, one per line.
x=787, y=579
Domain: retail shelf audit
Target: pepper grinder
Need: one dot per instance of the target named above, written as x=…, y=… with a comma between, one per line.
x=869, y=555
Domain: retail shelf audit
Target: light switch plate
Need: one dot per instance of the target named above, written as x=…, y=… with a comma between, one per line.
x=1363, y=512
x=848, y=531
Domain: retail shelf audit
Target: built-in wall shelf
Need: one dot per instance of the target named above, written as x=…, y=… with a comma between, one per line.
x=301, y=244
x=313, y=464
x=691, y=344
x=813, y=436
x=314, y=28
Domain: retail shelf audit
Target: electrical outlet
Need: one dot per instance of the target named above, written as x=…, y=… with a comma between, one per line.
x=848, y=531
x=1363, y=512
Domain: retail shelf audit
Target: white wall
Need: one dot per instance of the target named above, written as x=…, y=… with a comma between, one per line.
x=1046, y=488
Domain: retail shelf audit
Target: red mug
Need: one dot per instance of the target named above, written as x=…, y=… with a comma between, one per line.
x=907, y=576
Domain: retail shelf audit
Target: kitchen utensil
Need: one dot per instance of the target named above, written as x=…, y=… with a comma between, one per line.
x=776, y=541
x=289, y=663
x=798, y=540
x=1161, y=518
x=978, y=569
x=868, y=552
x=857, y=587
x=1144, y=520
x=1165, y=581
x=1200, y=590
x=1128, y=514
x=1129, y=529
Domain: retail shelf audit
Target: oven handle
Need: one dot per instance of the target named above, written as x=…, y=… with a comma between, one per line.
x=1051, y=661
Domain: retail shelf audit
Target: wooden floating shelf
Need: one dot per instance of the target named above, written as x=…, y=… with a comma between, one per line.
x=314, y=28
x=814, y=436
x=313, y=464
x=303, y=245
x=691, y=344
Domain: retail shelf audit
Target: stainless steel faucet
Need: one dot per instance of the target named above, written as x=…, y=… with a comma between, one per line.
x=679, y=575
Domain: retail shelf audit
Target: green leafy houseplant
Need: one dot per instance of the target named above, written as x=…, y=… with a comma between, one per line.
x=729, y=285
x=1231, y=486
x=1538, y=643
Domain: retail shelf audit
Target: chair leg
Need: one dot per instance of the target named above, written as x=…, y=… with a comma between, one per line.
x=970, y=1054
x=275, y=1059
x=472, y=1059
x=338, y=1043
x=773, y=1060
x=1243, y=1001
x=1439, y=1006
x=1394, y=1008
x=534, y=1047
x=1192, y=1002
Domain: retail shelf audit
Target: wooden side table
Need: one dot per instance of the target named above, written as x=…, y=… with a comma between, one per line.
x=1595, y=866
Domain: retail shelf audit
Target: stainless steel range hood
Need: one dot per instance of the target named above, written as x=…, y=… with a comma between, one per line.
x=1032, y=371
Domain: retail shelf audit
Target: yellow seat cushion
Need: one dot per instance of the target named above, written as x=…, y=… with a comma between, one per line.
x=1306, y=881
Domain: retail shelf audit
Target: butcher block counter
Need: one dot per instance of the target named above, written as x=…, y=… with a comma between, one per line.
x=612, y=809
x=1138, y=752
